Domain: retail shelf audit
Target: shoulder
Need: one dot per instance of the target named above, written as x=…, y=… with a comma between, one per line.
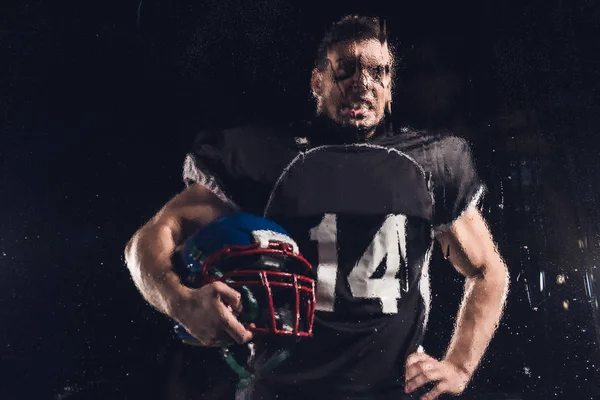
x=414, y=140
x=248, y=136
x=433, y=150
x=241, y=162
x=254, y=152
x=447, y=158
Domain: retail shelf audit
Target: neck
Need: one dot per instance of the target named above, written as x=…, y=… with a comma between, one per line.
x=330, y=131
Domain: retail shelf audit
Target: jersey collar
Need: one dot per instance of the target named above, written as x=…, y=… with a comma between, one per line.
x=322, y=131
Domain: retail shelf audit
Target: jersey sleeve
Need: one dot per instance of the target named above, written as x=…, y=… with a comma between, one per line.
x=209, y=163
x=456, y=184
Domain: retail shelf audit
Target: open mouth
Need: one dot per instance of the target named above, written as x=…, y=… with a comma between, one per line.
x=356, y=110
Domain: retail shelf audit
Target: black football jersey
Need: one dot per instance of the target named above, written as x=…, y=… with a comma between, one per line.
x=365, y=216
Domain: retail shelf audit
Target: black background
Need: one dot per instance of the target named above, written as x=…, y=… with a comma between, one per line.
x=100, y=100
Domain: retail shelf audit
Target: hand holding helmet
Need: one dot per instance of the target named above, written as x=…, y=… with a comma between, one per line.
x=249, y=277
x=210, y=315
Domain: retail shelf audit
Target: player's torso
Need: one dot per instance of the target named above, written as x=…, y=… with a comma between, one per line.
x=361, y=215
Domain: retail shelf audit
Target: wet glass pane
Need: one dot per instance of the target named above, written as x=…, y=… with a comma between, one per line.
x=101, y=103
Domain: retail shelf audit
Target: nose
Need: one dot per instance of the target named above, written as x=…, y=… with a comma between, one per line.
x=361, y=80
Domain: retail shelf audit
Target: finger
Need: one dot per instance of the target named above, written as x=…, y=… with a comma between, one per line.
x=417, y=357
x=417, y=367
x=232, y=326
x=429, y=374
x=436, y=392
x=229, y=296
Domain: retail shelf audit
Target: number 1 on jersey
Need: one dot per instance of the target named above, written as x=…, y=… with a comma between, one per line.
x=389, y=242
x=325, y=235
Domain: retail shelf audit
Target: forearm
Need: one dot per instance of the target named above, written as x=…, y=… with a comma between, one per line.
x=479, y=315
x=148, y=257
x=149, y=252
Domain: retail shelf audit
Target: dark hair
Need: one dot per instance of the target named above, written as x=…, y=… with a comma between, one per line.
x=353, y=27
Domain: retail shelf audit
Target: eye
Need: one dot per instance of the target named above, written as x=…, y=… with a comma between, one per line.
x=344, y=70
x=378, y=71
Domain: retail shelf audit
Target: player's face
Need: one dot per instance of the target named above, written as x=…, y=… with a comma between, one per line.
x=356, y=85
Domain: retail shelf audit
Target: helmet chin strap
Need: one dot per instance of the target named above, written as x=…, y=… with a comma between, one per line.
x=251, y=304
x=246, y=377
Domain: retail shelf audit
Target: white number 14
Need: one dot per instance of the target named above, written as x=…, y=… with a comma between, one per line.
x=390, y=241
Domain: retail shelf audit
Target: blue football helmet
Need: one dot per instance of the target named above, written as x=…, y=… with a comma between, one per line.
x=258, y=258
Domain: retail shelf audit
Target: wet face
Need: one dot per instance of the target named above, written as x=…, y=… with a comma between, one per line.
x=355, y=86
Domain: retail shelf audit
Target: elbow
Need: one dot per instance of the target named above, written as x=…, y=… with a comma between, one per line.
x=493, y=273
x=497, y=277
x=500, y=273
x=132, y=246
x=157, y=231
x=131, y=261
x=128, y=252
x=504, y=282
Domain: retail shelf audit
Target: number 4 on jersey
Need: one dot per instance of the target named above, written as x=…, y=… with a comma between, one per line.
x=389, y=242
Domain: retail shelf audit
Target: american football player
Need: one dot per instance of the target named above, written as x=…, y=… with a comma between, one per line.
x=365, y=204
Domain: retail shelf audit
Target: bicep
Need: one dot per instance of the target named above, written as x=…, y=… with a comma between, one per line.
x=468, y=244
x=189, y=210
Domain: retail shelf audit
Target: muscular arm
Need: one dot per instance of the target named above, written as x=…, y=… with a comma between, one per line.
x=148, y=253
x=473, y=253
